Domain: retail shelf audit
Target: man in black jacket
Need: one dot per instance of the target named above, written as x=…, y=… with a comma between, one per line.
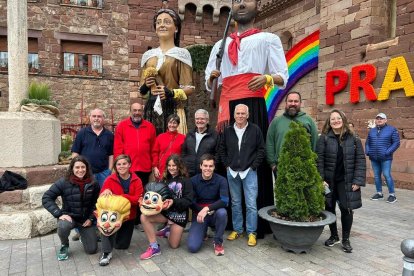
x=242, y=151
x=198, y=142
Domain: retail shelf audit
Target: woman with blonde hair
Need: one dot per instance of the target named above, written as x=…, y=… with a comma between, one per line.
x=341, y=163
x=124, y=183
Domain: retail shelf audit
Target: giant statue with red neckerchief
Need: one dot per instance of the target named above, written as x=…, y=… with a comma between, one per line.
x=252, y=61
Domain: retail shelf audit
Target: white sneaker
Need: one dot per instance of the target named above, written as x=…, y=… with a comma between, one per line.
x=105, y=258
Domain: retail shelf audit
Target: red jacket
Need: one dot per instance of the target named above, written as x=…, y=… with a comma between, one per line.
x=166, y=144
x=135, y=190
x=136, y=142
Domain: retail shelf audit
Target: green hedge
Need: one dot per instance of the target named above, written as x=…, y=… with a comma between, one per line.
x=200, y=54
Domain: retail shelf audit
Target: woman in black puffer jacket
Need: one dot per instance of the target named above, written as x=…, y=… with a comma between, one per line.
x=79, y=193
x=341, y=163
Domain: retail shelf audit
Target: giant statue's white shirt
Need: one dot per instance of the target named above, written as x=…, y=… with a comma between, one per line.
x=261, y=53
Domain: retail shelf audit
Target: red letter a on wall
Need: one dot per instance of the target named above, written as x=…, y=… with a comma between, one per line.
x=397, y=66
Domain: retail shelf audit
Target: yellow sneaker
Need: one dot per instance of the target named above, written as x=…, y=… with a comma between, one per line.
x=234, y=236
x=252, y=240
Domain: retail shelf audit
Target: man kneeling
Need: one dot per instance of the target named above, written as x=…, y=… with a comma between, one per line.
x=211, y=196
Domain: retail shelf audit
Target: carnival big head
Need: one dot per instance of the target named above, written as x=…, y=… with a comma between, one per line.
x=156, y=198
x=111, y=212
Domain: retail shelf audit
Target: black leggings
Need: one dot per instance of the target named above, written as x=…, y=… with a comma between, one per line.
x=347, y=215
x=119, y=240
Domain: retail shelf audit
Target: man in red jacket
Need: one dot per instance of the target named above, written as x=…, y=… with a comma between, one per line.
x=135, y=137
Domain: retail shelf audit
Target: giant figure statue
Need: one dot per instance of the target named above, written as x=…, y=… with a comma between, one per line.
x=166, y=73
x=252, y=60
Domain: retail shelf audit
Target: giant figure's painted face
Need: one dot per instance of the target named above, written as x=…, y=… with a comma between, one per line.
x=111, y=212
x=155, y=198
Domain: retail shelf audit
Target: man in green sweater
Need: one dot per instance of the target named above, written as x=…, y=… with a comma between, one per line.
x=280, y=126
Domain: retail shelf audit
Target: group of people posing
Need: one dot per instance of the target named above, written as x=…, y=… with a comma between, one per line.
x=154, y=142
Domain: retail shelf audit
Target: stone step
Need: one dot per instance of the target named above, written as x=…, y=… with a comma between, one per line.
x=39, y=175
x=21, y=200
x=26, y=224
x=22, y=215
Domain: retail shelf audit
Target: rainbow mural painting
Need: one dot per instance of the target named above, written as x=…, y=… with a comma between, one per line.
x=301, y=59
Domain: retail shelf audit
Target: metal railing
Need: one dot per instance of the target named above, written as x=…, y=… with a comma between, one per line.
x=73, y=129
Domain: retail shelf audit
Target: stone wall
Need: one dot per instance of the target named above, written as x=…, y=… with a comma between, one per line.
x=354, y=32
x=55, y=21
x=296, y=21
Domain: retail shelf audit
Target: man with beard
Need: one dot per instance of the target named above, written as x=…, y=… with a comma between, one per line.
x=135, y=137
x=280, y=126
x=251, y=60
x=96, y=144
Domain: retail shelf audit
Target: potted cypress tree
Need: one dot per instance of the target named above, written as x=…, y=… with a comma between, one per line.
x=298, y=218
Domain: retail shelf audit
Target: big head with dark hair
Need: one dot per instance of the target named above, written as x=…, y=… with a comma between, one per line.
x=70, y=172
x=176, y=20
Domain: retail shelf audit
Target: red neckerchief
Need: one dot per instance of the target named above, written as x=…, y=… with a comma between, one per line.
x=79, y=182
x=234, y=45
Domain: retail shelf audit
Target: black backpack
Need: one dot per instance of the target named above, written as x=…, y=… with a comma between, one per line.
x=12, y=181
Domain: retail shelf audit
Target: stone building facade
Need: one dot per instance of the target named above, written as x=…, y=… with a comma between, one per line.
x=122, y=29
x=352, y=33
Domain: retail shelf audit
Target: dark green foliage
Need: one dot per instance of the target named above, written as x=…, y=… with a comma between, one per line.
x=298, y=189
x=199, y=55
x=38, y=102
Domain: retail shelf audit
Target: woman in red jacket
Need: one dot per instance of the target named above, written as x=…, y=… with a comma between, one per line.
x=166, y=144
x=128, y=185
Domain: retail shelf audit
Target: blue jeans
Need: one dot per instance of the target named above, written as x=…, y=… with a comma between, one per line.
x=197, y=232
x=101, y=176
x=249, y=186
x=383, y=167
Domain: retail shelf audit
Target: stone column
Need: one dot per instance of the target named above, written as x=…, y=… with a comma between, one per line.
x=17, y=48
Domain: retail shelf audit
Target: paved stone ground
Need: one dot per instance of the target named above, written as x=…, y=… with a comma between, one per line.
x=376, y=236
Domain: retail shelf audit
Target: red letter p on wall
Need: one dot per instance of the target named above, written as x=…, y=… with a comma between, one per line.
x=331, y=87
